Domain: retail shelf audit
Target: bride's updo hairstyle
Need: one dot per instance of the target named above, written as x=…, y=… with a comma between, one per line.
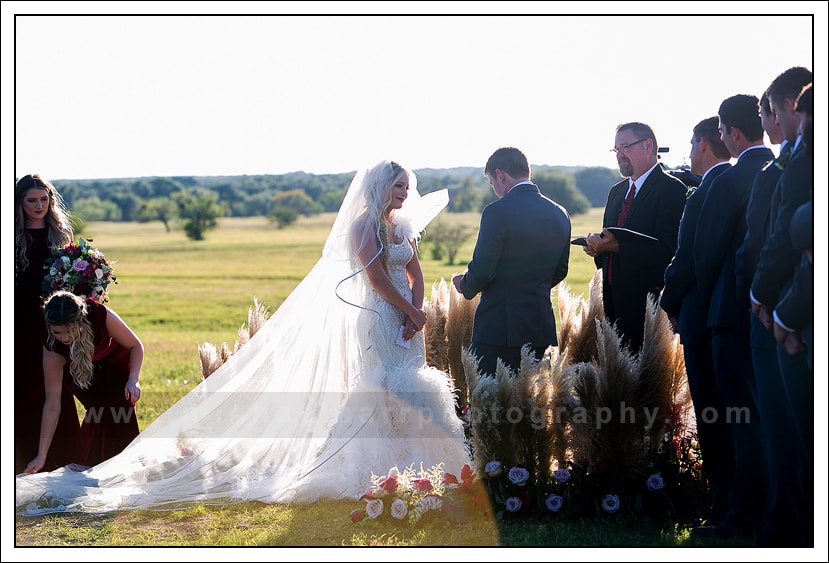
x=64, y=308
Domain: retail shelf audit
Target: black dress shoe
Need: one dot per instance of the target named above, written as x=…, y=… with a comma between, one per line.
x=724, y=530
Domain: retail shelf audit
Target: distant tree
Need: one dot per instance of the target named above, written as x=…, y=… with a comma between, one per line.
x=282, y=216
x=94, y=208
x=199, y=208
x=332, y=199
x=163, y=187
x=595, y=182
x=128, y=201
x=561, y=188
x=161, y=209
x=447, y=239
x=467, y=197
x=251, y=205
x=297, y=200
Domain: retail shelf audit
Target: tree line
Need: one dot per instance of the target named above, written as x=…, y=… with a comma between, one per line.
x=195, y=202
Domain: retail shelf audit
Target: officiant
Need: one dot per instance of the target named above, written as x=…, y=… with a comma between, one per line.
x=650, y=202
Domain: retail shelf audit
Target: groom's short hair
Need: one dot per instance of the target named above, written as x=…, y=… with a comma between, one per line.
x=510, y=160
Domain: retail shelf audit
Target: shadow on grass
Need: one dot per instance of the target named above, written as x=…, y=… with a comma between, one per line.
x=328, y=523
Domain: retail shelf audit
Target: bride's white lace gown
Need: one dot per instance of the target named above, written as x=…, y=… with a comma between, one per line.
x=400, y=411
x=317, y=400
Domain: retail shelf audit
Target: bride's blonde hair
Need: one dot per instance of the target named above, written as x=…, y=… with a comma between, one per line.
x=64, y=308
x=385, y=225
x=378, y=196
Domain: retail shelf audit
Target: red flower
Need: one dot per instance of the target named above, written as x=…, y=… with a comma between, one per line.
x=357, y=515
x=467, y=474
x=389, y=484
x=424, y=485
x=449, y=479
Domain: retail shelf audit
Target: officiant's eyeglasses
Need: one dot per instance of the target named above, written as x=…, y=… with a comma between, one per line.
x=624, y=148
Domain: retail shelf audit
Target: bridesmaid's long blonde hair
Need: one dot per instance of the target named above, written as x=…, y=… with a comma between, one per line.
x=64, y=308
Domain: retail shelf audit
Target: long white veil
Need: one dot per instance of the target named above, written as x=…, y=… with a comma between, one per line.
x=255, y=427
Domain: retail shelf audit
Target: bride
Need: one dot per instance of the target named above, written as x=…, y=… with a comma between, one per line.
x=334, y=387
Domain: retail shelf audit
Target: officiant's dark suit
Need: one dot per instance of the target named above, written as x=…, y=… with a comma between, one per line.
x=637, y=268
x=521, y=254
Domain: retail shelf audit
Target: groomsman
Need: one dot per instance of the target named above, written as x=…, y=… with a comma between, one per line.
x=681, y=301
x=792, y=523
x=776, y=422
x=715, y=248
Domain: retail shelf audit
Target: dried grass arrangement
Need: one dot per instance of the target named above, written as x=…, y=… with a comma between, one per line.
x=448, y=332
x=210, y=358
x=588, y=403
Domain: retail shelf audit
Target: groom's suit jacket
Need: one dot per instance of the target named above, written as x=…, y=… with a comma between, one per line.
x=522, y=252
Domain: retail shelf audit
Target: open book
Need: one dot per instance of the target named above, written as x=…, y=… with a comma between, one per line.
x=620, y=233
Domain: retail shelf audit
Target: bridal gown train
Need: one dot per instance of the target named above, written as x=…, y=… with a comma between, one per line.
x=320, y=398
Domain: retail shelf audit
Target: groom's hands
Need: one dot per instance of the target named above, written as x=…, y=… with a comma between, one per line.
x=456, y=281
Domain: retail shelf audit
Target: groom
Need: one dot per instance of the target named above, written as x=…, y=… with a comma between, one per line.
x=522, y=252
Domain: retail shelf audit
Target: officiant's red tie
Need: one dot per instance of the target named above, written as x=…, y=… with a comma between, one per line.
x=620, y=222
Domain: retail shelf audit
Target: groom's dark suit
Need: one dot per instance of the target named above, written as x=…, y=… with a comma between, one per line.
x=522, y=252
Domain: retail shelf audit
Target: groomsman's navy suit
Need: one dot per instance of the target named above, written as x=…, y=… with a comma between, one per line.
x=681, y=299
x=722, y=229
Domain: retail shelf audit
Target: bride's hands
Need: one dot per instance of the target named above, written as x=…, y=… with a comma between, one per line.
x=415, y=322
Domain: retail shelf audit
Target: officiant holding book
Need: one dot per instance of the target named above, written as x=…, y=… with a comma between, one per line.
x=650, y=202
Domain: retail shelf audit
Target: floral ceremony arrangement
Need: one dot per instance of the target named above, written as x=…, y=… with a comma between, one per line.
x=79, y=268
x=674, y=491
x=406, y=496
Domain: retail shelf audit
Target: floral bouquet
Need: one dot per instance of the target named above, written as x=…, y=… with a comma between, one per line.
x=78, y=268
x=406, y=496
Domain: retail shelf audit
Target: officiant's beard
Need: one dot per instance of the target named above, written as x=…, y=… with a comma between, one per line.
x=625, y=168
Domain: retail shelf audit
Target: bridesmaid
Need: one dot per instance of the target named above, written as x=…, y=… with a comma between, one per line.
x=91, y=348
x=41, y=225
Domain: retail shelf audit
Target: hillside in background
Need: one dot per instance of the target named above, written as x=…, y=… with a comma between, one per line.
x=159, y=197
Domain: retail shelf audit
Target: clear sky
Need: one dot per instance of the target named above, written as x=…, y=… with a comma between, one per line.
x=129, y=95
